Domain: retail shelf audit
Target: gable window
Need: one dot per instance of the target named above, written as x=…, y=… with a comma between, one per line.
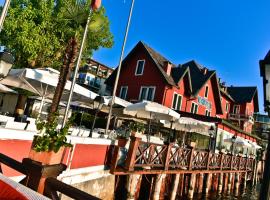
x=236, y=109
x=206, y=91
x=139, y=67
x=177, y=101
x=123, y=92
x=207, y=113
x=227, y=107
x=147, y=93
x=194, y=108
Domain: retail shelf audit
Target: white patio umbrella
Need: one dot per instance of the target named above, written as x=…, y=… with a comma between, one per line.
x=238, y=142
x=43, y=82
x=5, y=89
x=255, y=145
x=151, y=110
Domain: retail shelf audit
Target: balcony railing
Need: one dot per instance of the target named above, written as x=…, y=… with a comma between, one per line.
x=241, y=117
x=149, y=156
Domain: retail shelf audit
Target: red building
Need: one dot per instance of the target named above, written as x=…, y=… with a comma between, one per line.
x=187, y=88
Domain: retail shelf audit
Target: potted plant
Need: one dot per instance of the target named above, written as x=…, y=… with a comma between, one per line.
x=48, y=146
x=136, y=129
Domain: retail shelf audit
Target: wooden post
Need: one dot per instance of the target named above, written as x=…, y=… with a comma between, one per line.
x=181, y=185
x=237, y=183
x=175, y=186
x=38, y=173
x=132, y=182
x=191, y=186
x=229, y=182
x=245, y=181
x=208, y=159
x=131, y=156
x=157, y=187
x=221, y=160
x=114, y=159
x=208, y=183
x=225, y=185
x=191, y=158
x=220, y=183
x=232, y=182
x=167, y=159
x=200, y=183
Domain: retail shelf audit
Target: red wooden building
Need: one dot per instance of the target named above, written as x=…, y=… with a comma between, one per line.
x=187, y=88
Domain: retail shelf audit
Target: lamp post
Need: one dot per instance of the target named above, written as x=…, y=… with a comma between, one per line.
x=265, y=74
x=97, y=105
x=233, y=143
x=6, y=62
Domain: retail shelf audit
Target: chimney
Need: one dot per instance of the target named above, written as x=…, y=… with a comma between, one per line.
x=167, y=66
x=204, y=70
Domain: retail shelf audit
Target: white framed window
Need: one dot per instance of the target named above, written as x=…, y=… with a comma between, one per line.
x=123, y=92
x=147, y=93
x=236, y=109
x=194, y=108
x=206, y=91
x=177, y=102
x=207, y=113
x=139, y=67
x=227, y=107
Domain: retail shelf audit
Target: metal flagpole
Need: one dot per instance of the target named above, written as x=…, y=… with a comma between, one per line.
x=76, y=68
x=119, y=68
x=4, y=13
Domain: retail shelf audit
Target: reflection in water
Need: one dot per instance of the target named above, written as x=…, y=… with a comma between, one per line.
x=248, y=194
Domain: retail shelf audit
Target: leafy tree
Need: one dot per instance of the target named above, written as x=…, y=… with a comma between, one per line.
x=47, y=33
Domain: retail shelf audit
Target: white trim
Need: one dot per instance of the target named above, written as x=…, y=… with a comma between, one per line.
x=227, y=107
x=147, y=87
x=236, y=106
x=122, y=87
x=177, y=101
x=191, y=107
x=7, y=133
x=137, y=68
x=87, y=140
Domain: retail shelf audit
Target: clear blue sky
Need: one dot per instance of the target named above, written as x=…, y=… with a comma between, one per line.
x=230, y=36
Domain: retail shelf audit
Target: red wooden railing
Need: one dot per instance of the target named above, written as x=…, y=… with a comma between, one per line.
x=143, y=155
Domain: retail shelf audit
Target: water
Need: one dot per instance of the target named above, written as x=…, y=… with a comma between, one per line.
x=249, y=194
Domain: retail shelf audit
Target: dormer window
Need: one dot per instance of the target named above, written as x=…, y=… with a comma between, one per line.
x=139, y=67
x=206, y=91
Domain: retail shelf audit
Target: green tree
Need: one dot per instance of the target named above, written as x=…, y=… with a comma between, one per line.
x=47, y=33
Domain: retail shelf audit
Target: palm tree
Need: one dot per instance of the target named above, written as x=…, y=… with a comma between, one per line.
x=73, y=16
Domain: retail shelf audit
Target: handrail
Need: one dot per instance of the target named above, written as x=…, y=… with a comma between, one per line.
x=170, y=157
x=14, y=164
x=52, y=186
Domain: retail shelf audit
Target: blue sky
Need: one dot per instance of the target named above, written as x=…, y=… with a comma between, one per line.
x=228, y=36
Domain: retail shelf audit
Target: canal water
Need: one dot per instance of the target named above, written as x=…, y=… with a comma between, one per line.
x=249, y=194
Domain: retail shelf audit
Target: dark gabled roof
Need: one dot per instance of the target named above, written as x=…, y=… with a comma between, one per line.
x=160, y=60
x=242, y=94
x=226, y=94
x=157, y=58
x=178, y=73
x=198, y=78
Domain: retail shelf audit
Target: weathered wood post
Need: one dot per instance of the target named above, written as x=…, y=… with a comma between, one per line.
x=175, y=186
x=157, y=186
x=237, y=183
x=229, y=183
x=208, y=183
x=131, y=156
x=200, y=183
x=181, y=184
x=132, y=183
x=225, y=185
x=191, y=186
x=220, y=183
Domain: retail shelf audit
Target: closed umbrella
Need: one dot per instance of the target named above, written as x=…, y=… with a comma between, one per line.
x=238, y=142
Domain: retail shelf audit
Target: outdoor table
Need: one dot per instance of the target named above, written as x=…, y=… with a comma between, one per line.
x=21, y=189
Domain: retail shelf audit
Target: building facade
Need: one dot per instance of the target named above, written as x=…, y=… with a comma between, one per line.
x=93, y=75
x=186, y=88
